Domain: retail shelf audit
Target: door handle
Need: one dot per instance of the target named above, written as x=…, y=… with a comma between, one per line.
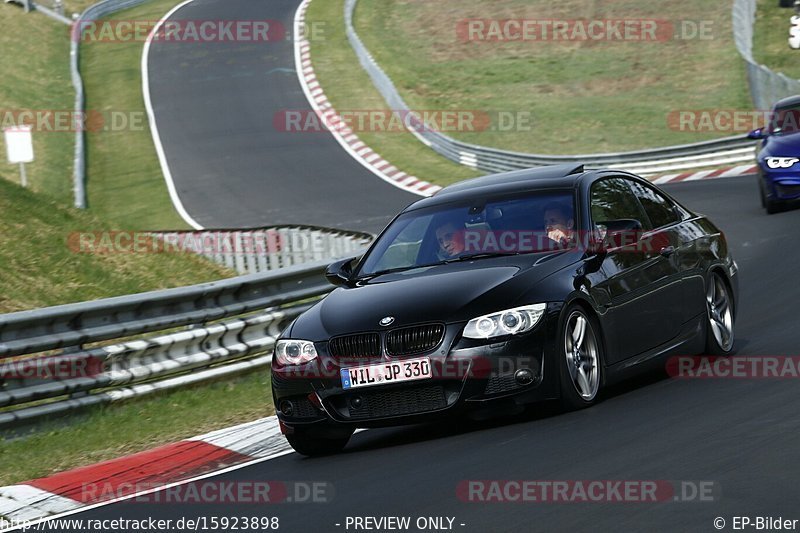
x=667, y=251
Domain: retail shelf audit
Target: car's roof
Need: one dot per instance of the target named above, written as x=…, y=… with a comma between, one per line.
x=549, y=177
x=788, y=102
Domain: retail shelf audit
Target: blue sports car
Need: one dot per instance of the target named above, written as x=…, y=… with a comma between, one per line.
x=779, y=155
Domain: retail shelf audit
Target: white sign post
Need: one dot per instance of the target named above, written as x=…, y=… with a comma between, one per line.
x=19, y=147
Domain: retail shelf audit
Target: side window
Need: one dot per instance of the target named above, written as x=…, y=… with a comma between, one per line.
x=661, y=210
x=612, y=199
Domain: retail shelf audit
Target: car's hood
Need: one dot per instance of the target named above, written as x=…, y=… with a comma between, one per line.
x=781, y=146
x=445, y=293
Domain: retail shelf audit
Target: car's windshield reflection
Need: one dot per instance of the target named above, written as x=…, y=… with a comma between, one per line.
x=458, y=232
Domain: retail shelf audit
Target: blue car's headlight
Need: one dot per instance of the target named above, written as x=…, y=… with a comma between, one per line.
x=781, y=162
x=508, y=322
x=295, y=352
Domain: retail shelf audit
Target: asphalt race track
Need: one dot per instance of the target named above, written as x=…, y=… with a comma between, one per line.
x=740, y=434
x=214, y=105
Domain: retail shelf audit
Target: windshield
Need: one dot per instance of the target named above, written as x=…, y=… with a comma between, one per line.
x=785, y=121
x=476, y=229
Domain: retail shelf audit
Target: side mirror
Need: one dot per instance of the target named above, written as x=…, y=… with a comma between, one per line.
x=757, y=134
x=616, y=234
x=340, y=272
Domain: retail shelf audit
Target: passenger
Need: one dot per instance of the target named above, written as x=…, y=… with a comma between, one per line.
x=559, y=223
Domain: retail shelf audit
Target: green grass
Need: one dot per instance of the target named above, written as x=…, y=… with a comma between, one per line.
x=35, y=76
x=118, y=430
x=583, y=97
x=40, y=269
x=348, y=87
x=771, y=39
x=124, y=178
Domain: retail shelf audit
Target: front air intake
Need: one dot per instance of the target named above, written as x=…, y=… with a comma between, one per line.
x=361, y=346
x=414, y=340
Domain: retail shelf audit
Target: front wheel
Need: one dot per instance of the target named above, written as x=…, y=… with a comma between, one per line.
x=719, y=311
x=314, y=446
x=582, y=360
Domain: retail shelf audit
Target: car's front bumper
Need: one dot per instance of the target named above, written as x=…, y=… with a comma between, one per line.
x=783, y=185
x=466, y=375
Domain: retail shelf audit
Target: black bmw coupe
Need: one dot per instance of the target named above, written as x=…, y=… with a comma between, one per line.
x=543, y=284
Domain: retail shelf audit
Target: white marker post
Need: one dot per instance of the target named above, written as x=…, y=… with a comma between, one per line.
x=19, y=147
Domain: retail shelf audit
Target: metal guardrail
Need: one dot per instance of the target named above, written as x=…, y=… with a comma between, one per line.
x=709, y=153
x=766, y=86
x=100, y=9
x=140, y=368
x=53, y=13
x=73, y=325
x=232, y=326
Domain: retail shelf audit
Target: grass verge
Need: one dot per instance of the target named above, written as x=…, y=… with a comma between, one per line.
x=41, y=269
x=119, y=430
x=582, y=96
x=771, y=39
x=124, y=179
x=35, y=77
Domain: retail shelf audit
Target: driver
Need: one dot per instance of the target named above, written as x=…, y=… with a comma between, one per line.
x=450, y=237
x=558, y=223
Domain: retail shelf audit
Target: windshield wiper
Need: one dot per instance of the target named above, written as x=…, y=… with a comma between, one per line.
x=481, y=255
x=371, y=275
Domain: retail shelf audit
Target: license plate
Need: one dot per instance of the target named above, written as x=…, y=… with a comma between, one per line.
x=384, y=373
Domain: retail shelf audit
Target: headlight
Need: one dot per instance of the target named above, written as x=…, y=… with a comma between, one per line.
x=508, y=322
x=295, y=352
x=781, y=162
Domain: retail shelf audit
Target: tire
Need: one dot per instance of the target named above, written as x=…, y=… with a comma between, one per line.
x=581, y=370
x=772, y=206
x=313, y=446
x=720, y=313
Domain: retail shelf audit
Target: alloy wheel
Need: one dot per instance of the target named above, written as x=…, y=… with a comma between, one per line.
x=581, y=350
x=720, y=312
